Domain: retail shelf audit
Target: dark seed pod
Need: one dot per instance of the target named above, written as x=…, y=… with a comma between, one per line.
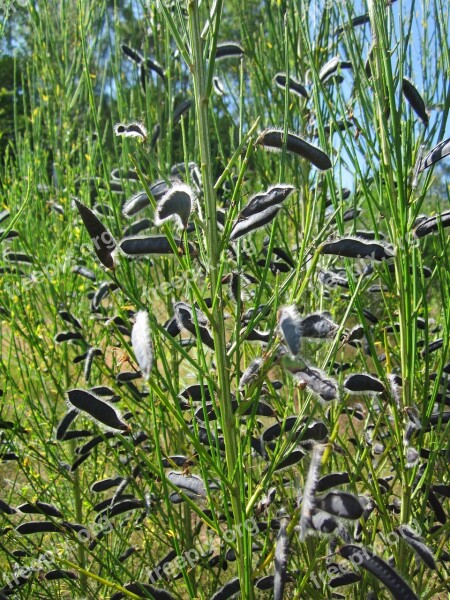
x=294, y=458
x=138, y=227
x=359, y=20
x=274, y=431
x=69, y=318
x=333, y=480
x=323, y=522
x=133, y=129
x=92, y=352
x=190, y=483
x=177, y=204
x=84, y=272
x=40, y=508
x=76, y=435
x=144, y=590
x=432, y=224
x=6, y=509
x=4, y=214
x=38, y=527
x=289, y=324
x=57, y=574
x=274, y=195
x=154, y=67
x=19, y=257
x=255, y=221
x=317, y=326
x=281, y=561
x=250, y=375
x=309, y=491
x=325, y=387
x=133, y=55
x=68, y=336
x=65, y=423
x=120, y=508
x=380, y=569
x=185, y=320
x=229, y=50
x=135, y=204
x=181, y=110
x=155, y=136
x=196, y=392
x=294, y=86
x=273, y=139
x=362, y=382
x=98, y=410
x=332, y=67
x=346, y=579
x=128, y=552
x=437, y=153
x=229, y=590
x=332, y=280
x=415, y=100
x=418, y=545
x=106, y=484
x=441, y=489
x=156, y=244
x=341, y=504
x=79, y=462
x=355, y=248
x=103, y=242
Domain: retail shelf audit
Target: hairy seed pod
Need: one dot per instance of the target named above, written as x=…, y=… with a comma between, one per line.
x=181, y=110
x=289, y=324
x=103, y=242
x=229, y=50
x=364, y=558
x=142, y=343
x=98, y=410
x=242, y=227
x=38, y=527
x=133, y=129
x=229, y=590
x=273, y=139
x=437, y=153
x=415, y=100
x=355, y=248
x=362, y=382
x=177, y=204
x=294, y=86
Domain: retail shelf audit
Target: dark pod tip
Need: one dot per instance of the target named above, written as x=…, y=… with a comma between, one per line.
x=273, y=139
x=102, y=239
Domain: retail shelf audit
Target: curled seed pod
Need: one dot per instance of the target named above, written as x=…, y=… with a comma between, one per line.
x=364, y=558
x=91, y=353
x=281, y=560
x=142, y=343
x=181, y=110
x=250, y=375
x=229, y=50
x=309, y=492
x=65, y=423
x=38, y=527
x=341, y=504
x=417, y=543
x=69, y=318
x=273, y=139
x=346, y=579
x=40, y=508
x=437, y=153
x=135, y=204
x=103, y=241
x=177, y=204
x=256, y=221
x=229, y=590
x=218, y=86
x=276, y=194
x=98, y=410
x=154, y=67
x=185, y=319
x=332, y=480
x=289, y=324
x=332, y=67
x=362, y=382
x=415, y=100
x=355, y=248
x=133, y=129
x=68, y=336
x=432, y=224
x=323, y=522
x=120, y=508
x=317, y=326
x=294, y=86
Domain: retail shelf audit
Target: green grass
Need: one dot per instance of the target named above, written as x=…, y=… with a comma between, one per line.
x=72, y=85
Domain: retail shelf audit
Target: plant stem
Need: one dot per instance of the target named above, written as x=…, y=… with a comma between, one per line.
x=230, y=431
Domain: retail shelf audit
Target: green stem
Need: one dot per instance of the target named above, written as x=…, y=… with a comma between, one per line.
x=228, y=420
